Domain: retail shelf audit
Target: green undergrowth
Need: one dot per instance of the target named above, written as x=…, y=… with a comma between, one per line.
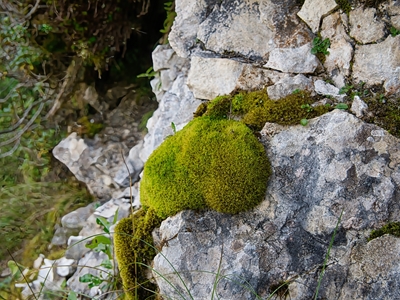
x=134, y=252
x=255, y=108
x=392, y=228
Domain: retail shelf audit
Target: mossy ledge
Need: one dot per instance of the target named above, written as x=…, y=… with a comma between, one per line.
x=255, y=108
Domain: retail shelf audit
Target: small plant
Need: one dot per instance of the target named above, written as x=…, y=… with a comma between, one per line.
x=307, y=107
x=150, y=73
x=320, y=46
x=353, y=91
x=394, y=31
x=173, y=127
x=304, y=122
x=342, y=106
x=296, y=91
x=102, y=243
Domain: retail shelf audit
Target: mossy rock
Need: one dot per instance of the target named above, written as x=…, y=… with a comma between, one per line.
x=133, y=244
x=256, y=108
x=210, y=163
x=392, y=228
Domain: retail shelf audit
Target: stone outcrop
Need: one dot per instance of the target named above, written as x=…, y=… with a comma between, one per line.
x=337, y=163
x=319, y=173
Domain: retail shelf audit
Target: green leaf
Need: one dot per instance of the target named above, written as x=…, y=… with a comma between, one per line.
x=13, y=266
x=342, y=106
x=104, y=223
x=173, y=127
x=106, y=264
x=115, y=216
x=99, y=241
x=304, y=122
x=72, y=296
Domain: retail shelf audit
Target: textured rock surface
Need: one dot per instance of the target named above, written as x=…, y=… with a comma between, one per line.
x=318, y=172
x=365, y=27
x=313, y=10
x=176, y=106
x=250, y=28
x=293, y=60
x=337, y=63
x=288, y=84
x=211, y=77
x=379, y=63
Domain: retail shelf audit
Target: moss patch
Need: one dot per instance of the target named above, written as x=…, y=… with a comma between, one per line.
x=256, y=108
x=392, y=228
x=134, y=251
x=385, y=113
x=211, y=163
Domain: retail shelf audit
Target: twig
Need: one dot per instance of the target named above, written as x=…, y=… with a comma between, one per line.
x=27, y=16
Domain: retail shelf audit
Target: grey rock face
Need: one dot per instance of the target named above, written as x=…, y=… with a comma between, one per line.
x=288, y=84
x=323, y=88
x=318, y=172
x=359, y=107
x=212, y=77
x=337, y=63
x=378, y=63
x=251, y=28
x=365, y=27
x=293, y=60
x=312, y=11
x=176, y=105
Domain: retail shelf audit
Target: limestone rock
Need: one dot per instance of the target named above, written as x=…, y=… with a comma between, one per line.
x=251, y=28
x=288, y=84
x=293, y=60
x=337, y=63
x=378, y=63
x=77, y=218
x=359, y=107
x=313, y=10
x=212, y=77
x=65, y=267
x=365, y=27
x=326, y=89
x=318, y=172
x=189, y=15
x=76, y=247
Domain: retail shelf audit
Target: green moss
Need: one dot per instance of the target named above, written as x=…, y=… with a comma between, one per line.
x=88, y=128
x=211, y=163
x=385, y=113
x=344, y=5
x=134, y=252
x=255, y=108
x=219, y=108
x=392, y=228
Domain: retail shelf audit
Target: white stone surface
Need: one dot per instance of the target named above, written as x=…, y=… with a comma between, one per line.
x=358, y=107
x=337, y=63
x=313, y=10
x=293, y=60
x=364, y=25
x=377, y=63
x=288, y=84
